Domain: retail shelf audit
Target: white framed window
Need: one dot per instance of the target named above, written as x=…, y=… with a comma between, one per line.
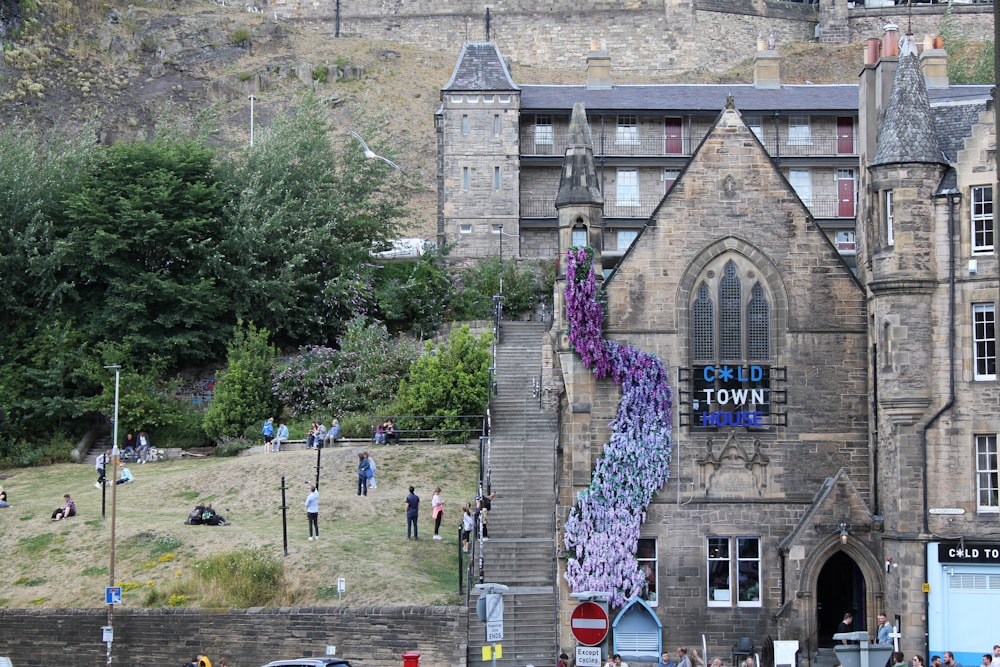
x=465, y=229
x=625, y=237
x=505, y=99
x=496, y=178
x=496, y=125
x=543, y=130
x=987, y=474
x=801, y=181
x=646, y=557
x=473, y=99
x=627, y=187
x=889, y=222
x=465, y=179
x=465, y=125
x=496, y=228
x=799, y=131
x=457, y=99
x=489, y=98
x=733, y=571
x=579, y=238
x=627, y=130
x=983, y=228
x=984, y=341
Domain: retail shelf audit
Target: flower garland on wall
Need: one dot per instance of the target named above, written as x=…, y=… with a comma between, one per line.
x=602, y=531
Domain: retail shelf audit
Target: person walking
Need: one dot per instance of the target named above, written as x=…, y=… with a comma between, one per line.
x=412, y=512
x=363, y=467
x=437, y=511
x=100, y=465
x=312, y=511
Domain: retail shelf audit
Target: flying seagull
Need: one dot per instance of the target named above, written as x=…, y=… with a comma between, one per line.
x=372, y=155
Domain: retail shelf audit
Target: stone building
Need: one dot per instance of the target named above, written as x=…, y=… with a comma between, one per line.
x=836, y=408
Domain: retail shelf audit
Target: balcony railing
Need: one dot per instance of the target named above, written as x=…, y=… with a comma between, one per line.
x=656, y=145
x=825, y=206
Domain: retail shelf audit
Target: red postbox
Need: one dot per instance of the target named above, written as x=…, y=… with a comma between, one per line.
x=411, y=660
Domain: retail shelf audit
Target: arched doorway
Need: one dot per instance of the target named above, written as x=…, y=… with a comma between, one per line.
x=840, y=588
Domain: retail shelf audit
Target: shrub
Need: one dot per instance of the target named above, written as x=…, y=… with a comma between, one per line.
x=320, y=73
x=524, y=285
x=241, y=37
x=232, y=446
x=249, y=577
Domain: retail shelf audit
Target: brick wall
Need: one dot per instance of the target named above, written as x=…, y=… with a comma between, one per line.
x=373, y=637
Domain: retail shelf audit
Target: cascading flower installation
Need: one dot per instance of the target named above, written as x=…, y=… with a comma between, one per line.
x=602, y=531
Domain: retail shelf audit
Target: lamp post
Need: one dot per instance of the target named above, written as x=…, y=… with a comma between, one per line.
x=115, y=460
x=252, y=100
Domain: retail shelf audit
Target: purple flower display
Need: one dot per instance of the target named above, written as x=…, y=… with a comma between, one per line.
x=602, y=531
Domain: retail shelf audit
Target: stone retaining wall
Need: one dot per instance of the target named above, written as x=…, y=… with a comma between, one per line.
x=373, y=637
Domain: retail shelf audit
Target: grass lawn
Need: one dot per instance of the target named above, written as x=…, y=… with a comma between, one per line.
x=363, y=539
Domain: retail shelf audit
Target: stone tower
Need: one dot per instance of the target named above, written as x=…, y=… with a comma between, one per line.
x=905, y=241
x=478, y=155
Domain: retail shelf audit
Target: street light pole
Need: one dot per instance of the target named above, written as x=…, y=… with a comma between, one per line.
x=252, y=100
x=115, y=460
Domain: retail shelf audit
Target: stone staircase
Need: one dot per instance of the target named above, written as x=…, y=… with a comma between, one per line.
x=521, y=551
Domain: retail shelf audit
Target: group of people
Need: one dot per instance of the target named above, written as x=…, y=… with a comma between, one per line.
x=385, y=432
x=136, y=449
x=101, y=464
x=272, y=438
x=204, y=515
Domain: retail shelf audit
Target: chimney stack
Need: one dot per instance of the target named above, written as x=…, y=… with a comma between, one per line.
x=598, y=67
x=766, y=64
x=934, y=60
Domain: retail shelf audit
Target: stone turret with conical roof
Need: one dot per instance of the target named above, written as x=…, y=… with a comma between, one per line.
x=906, y=173
x=579, y=201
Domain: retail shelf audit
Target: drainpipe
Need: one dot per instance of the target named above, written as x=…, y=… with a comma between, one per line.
x=952, y=196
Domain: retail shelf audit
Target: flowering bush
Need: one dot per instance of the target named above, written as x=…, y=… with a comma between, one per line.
x=602, y=531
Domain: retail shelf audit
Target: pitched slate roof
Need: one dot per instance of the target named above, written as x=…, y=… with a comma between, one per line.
x=480, y=67
x=687, y=98
x=578, y=183
x=953, y=125
x=907, y=133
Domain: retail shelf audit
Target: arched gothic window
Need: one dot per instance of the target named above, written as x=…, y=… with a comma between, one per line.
x=730, y=348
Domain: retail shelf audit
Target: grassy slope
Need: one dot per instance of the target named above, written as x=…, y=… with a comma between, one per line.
x=360, y=536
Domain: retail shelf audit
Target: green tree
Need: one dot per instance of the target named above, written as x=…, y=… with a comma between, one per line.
x=450, y=379
x=243, y=397
x=303, y=213
x=413, y=295
x=524, y=285
x=135, y=252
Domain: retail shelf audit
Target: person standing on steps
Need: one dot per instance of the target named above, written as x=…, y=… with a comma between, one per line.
x=412, y=512
x=312, y=511
x=437, y=511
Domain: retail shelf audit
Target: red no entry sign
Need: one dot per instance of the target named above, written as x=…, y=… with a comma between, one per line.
x=589, y=623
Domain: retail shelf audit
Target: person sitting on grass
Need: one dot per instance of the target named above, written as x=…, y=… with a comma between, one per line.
x=125, y=477
x=67, y=510
x=3, y=498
